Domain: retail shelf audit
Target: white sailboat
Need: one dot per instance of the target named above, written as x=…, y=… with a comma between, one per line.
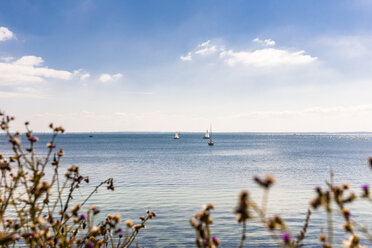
x=206, y=135
x=176, y=136
x=210, y=143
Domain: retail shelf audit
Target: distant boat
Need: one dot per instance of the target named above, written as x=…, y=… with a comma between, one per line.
x=176, y=136
x=90, y=136
x=210, y=143
x=206, y=135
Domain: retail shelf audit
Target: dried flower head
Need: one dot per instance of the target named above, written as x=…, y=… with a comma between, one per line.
x=129, y=223
x=266, y=183
x=242, y=210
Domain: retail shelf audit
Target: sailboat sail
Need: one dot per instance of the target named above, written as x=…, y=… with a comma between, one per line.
x=176, y=136
x=210, y=143
x=206, y=135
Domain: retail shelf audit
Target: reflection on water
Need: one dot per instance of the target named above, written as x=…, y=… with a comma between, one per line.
x=177, y=177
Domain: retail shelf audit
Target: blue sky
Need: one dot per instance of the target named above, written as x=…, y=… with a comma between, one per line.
x=181, y=65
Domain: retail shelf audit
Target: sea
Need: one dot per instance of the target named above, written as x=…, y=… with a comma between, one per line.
x=176, y=178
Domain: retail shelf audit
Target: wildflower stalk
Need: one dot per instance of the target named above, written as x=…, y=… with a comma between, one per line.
x=25, y=188
x=243, y=237
x=265, y=198
x=107, y=181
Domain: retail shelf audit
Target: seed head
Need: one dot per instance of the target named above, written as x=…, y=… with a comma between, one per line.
x=129, y=223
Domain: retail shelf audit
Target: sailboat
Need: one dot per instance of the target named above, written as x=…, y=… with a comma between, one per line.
x=210, y=143
x=176, y=136
x=206, y=135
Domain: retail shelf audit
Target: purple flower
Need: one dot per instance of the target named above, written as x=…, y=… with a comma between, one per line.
x=286, y=237
x=83, y=217
x=54, y=146
x=90, y=245
x=120, y=229
x=214, y=238
x=347, y=215
x=365, y=187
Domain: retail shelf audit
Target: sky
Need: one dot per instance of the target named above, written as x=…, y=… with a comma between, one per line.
x=163, y=65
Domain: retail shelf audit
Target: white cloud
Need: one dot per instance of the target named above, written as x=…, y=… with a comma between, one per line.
x=28, y=69
x=5, y=34
x=204, y=44
x=85, y=76
x=267, y=57
x=266, y=42
x=29, y=61
x=187, y=57
x=206, y=48
x=81, y=74
x=203, y=49
x=117, y=76
x=105, y=77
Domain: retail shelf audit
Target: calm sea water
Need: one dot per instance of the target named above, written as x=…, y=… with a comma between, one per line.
x=176, y=178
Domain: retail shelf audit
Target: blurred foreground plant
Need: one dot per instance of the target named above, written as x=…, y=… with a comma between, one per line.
x=332, y=199
x=31, y=215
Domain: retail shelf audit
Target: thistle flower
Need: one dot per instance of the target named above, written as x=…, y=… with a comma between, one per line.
x=138, y=227
x=194, y=223
x=323, y=238
x=365, y=189
x=370, y=162
x=345, y=186
x=242, y=211
x=60, y=153
x=95, y=231
x=265, y=183
x=129, y=223
x=216, y=241
x=94, y=209
x=15, y=141
x=209, y=206
x=114, y=217
x=50, y=145
x=353, y=242
x=346, y=213
x=73, y=168
x=75, y=209
x=348, y=227
x=33, y=139
x=286, y=238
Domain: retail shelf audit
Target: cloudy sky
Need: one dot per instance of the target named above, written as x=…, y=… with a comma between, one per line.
x=263, y=65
